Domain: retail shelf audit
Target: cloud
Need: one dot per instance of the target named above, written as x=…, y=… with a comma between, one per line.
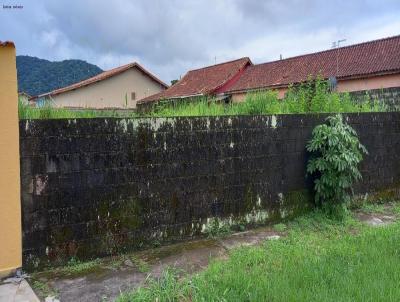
x=171, y=37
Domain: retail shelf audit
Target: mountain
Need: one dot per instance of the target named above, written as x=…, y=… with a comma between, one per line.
x=37, y=76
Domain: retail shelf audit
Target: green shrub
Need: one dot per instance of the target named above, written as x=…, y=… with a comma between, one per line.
x=336, y=153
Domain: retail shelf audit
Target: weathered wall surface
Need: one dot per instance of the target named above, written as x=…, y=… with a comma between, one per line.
x=389, y=96
x=92, y=187
x=10, y=207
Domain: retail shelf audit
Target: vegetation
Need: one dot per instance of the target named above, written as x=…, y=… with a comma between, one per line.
x=43, y=288
x=336, y=153
x=140, y=264
x=380, y=207
x=48, y=111
x=321, y=259
x=312, y=96
x=77, y=267
x=280, y=227
x=37, y=76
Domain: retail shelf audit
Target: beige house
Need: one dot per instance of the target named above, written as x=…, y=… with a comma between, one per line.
x=120, y=88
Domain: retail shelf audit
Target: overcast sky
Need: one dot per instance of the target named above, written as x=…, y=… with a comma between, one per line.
x=172, y=36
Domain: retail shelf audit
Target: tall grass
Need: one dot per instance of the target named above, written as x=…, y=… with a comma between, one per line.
x=48, y=111
x=312, y=96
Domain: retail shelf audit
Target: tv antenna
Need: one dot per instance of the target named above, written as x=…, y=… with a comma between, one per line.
x=336, y=44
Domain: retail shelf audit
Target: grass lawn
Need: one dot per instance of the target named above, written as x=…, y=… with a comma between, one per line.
x=319, y=260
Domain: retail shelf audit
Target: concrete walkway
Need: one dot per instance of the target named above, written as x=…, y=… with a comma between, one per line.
x=105, y=283
x=16, y=290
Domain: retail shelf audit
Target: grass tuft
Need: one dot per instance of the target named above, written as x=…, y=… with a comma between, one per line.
x=280, y=227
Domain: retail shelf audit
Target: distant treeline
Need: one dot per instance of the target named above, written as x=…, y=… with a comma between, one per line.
x=37, y=76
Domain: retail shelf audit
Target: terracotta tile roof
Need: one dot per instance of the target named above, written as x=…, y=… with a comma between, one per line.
x=359, y=60
x=102, y=76
x=7, y=43
x=203, y=81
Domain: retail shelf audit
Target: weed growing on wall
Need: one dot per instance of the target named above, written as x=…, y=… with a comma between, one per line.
x=336, y=154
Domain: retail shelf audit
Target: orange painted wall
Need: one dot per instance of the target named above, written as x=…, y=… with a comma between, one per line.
x=10, y=207
x=385, y=81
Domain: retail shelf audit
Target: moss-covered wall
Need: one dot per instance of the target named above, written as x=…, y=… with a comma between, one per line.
x=94, y=187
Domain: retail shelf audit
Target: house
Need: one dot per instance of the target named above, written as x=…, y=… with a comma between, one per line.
x=212, y=80
x=120, y=87
x=360, y=67
x=10, y=204
x=369, y=66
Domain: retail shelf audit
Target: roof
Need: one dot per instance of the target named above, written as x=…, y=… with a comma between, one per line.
x=102, y=76
x=7, y=43
x=203, y=81
x=359, y=60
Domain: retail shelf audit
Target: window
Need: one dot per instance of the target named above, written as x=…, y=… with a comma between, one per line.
x=133, y=96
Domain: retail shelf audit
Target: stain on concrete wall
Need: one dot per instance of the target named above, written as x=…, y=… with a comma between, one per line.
x=389, y=96
x=93, y=187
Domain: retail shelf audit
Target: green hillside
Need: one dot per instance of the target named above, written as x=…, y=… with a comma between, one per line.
x=36, y=76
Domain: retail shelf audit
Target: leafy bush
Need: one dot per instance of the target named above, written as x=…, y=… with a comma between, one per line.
x=336, y=153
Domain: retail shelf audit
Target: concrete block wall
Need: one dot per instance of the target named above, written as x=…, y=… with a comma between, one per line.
x=389, y=96
x=94, y=187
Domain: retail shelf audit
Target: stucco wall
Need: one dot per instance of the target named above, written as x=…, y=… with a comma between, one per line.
x=10, y=209
x=240, y=97
x=369, y=83
x=110, y=93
